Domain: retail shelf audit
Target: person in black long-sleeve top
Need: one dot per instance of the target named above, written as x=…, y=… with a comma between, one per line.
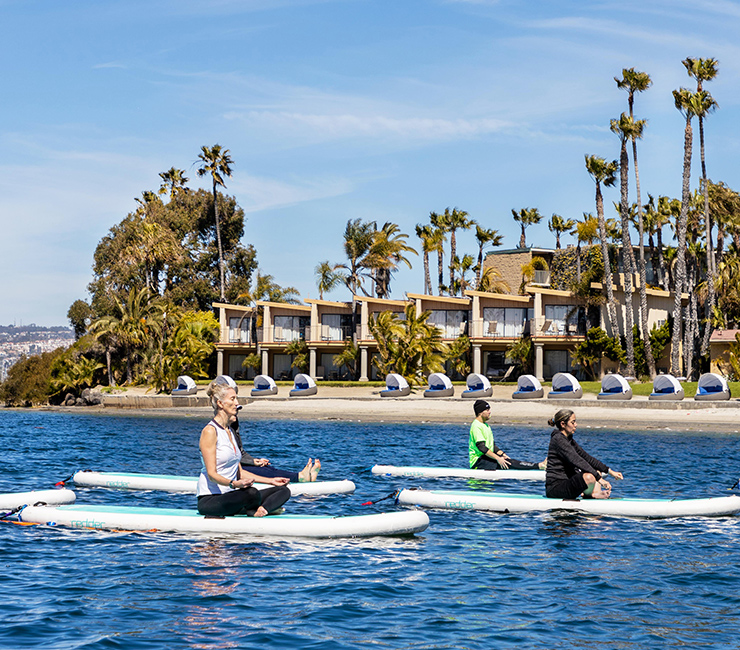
x=571, y=472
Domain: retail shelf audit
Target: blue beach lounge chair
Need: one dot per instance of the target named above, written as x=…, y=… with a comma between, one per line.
x=303, y=385
x=528, y=387
x=478, y=386
x=439, y=386
x=395, y=386
x=615, y=387
x=185, y=386
x=565, y=386
x=666, y=388
x=712, y=387
x=263, y=386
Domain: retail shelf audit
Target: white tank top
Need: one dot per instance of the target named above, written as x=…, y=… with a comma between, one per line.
x=227, y=462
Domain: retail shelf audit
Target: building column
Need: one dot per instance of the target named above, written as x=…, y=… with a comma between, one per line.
x=363, y=364
x=265, y=362
x=312, y=362
x=476, y=359
x=539, y=356
x=219, y=362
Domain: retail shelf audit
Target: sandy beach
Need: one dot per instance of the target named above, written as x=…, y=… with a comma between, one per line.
x=365, y=404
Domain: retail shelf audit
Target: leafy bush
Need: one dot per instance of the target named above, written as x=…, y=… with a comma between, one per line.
x=29, y=380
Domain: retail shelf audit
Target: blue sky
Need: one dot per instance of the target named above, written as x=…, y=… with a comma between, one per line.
x=333, y=110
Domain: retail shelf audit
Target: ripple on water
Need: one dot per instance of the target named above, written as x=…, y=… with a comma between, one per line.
x=472, y=580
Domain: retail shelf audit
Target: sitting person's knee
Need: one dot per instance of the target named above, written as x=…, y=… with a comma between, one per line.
x=589, y=478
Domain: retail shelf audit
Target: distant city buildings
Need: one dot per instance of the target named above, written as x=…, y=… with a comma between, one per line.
x=28, y=340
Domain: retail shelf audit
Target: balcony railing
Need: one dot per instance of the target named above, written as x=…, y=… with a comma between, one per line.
x=332, y=333
x=498, y=329
x=559, y=328
x=244, y=336
x=287, y=335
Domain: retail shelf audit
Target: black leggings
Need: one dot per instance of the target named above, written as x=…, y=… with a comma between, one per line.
x=244, y=501
x=488, y=463
x=271, y=472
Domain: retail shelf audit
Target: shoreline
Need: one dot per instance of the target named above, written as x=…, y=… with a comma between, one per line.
x=363, y=404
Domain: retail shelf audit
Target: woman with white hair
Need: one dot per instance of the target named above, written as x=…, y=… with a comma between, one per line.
x=224, y=486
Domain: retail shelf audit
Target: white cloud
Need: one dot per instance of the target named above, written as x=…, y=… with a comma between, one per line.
x=339, y=126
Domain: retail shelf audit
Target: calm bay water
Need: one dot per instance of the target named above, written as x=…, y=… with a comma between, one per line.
x=472, y=580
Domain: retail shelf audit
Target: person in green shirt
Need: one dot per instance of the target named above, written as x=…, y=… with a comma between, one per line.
x=483, y=451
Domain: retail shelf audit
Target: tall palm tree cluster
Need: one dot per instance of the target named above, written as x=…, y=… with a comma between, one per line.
x=373, y=256
x=434, y=236
x=695, y=266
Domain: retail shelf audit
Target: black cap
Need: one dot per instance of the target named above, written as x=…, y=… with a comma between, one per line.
x=480, y=406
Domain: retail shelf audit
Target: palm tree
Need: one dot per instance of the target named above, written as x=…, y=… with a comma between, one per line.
x=626, y=128
x=463, y=266
x=687, y=103
x=455, y=220
x=605, y=173
x=493, y=282
x=328, y=276
x=559, y=225
x=705, y=70
x=586, y=232
x=439, y=236
x=425, y=234
x=525, y=218
x=485, y=236
x=358, y=237
x=411, y=347
x=387, y=250
x=637, y=82
x=216, y=162
x=172, y=181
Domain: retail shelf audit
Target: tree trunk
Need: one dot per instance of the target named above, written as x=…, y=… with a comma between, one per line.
x=643, y=275
x=218, y=240
x=611, y=309
x=453, y=254
x=627, y=258
x=440, y=271
x=711, y=270
x=427, y=276
x=679, y=280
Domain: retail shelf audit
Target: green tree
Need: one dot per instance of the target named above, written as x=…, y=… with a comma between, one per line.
x=216, y=163
x=604, y=173
x=358, y=237
x=596, y=345
x=626, y=128
x=173, y=181
x=485, y=236
x=455, y=220
x=28, y=382
x=705, y=70
x=298, y=349
x=689, y=104
x=426, y=234
x=328, y=276
x=522, y=352
x=526, y=217
x=387, y=250
x=412, y=347
x=637, y=82
x=559, y=225
x=348, y=357
x=439, y=237
x=79, y=316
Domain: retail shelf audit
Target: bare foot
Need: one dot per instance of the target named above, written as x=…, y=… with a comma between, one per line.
x=260, y=512
x=305, y=474
x=315, y=469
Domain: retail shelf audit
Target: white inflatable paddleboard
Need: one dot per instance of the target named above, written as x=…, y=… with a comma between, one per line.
x=189, y=521
x=166, y=483
x=11, y=500
x=459, y=472
x=506, y=503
